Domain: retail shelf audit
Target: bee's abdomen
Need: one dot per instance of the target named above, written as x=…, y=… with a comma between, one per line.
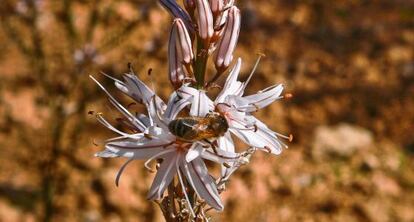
x=183, y=128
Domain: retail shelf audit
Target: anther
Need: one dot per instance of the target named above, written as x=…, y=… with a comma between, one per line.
x=290, y=137
x=149, y=71
x=256, y=107
x=91, y=112
x=288, y=95
x=226, y=165
x=267, y=149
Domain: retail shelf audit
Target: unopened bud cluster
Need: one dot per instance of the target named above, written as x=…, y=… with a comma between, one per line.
x=202, y=29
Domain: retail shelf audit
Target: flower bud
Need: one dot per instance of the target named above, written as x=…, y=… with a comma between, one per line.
x=216, y=6
x=204, y=19
x=228, y=41
x=189, y=5
x=176, y=11
x=183, y=42
x=179, y=52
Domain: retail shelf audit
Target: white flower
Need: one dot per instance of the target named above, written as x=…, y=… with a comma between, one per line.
x=153, y=141
x=238, y=109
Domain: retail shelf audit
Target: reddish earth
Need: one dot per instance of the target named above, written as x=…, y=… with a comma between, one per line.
x=348, y=64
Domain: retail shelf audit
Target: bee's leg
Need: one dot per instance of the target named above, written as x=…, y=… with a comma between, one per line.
x=213, y=146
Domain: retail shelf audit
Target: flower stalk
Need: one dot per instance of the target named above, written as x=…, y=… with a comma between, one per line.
x=200, y=64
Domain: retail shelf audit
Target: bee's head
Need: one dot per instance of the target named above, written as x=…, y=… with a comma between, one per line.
x=219, y=124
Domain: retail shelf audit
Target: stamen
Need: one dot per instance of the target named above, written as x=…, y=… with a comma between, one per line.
x=254, y=68
x=155, y=157
x=183, y=188
x=255, y=128
x=267, y=149
x=103, y=121
x=118, y=176
x=256, y=107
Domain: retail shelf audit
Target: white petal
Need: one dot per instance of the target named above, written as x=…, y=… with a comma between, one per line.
x=106, y=154
x=175, y=105
x=257, y=101
x=194, y=152
x=186, y=92
x=258, y=137
x=141, y=92
x=134, y=154
x=220, y=157
x=232, y=86
x=226, y=142
x=204, y=185
x=164, y=176
x=143, y=142
x=201, y=104
x=156, y=113
x=144, y=119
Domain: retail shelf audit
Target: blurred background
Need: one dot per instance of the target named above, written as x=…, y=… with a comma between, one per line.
x=349, y=65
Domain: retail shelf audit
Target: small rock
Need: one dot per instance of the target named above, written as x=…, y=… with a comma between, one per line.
x=342, y=140
x=386, y=185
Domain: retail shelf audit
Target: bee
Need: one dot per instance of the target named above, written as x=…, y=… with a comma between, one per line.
x=191, y=129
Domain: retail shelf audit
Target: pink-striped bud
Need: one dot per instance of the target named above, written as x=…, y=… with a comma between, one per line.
x=228, y=41
x=176, y=11
x=216, y=6
x=183, y=42
x=180, y=53
x=204, y=19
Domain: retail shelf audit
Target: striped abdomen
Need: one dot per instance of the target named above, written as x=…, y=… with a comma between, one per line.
x=184, y=128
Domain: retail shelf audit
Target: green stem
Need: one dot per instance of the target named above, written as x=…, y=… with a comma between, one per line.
x=200, y=63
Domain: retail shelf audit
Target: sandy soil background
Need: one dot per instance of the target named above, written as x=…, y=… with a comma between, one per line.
x=349, y=65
